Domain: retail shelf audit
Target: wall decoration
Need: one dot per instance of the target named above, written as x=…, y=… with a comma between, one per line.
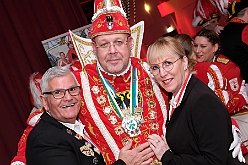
x=58, y=48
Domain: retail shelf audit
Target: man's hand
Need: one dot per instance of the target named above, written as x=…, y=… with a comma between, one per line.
x=218, y=29
x=141, y=155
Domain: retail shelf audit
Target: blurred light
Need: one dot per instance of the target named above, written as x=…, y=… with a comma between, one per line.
x=170, y=29
x=147, y=8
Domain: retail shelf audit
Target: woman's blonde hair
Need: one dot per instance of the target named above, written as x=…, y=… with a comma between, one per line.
x=164, y=46
x=186, y=41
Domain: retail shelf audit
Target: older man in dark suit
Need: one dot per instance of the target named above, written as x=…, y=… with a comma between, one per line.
x=59, y=138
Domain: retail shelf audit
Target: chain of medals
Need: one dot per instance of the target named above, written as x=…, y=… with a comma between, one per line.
x=130, y=121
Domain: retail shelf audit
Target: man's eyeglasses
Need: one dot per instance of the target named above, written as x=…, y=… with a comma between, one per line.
x=117, y=44
x=59, y=94
x=166, y=65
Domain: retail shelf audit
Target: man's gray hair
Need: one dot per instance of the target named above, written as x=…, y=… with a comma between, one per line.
x=56, y=71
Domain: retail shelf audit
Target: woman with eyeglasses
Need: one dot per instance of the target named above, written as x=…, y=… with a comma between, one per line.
x=198, y=129
x=217, y=73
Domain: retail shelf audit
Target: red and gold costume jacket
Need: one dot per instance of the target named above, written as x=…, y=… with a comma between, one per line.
x=101, y=119
x=223, y=77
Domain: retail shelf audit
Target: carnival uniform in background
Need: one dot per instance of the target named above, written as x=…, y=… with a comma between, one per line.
x=222, y=77
x=220, y=73
x=234, y=37
x=206, y=16
x=37, y=111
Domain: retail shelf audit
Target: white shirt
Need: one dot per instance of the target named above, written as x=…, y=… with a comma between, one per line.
x=78, y=127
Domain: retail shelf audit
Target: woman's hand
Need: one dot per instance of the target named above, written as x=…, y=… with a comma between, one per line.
x=158, y=145
x=141, y=155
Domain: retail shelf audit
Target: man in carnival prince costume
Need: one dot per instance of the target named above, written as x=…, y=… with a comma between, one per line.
x=121, y=101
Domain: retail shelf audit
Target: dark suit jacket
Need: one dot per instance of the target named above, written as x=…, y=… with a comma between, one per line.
x=200, y=131
x=52, y=143
x=233, y=46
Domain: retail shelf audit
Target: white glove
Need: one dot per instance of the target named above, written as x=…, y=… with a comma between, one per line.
x=236, y=144
x=244, y=87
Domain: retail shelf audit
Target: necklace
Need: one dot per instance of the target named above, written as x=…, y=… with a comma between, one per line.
x=130, y=122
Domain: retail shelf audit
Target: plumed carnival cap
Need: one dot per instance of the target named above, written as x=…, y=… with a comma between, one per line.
x=204, y=12
x=205, y=23
x=236, y=7
x=109, y=18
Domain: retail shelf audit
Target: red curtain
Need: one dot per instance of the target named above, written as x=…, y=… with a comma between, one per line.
x=23, y=25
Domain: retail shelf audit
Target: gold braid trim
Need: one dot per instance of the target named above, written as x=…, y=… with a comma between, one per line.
x=215, y=78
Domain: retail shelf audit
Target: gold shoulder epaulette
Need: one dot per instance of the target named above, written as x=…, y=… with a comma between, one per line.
x=222, y=60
